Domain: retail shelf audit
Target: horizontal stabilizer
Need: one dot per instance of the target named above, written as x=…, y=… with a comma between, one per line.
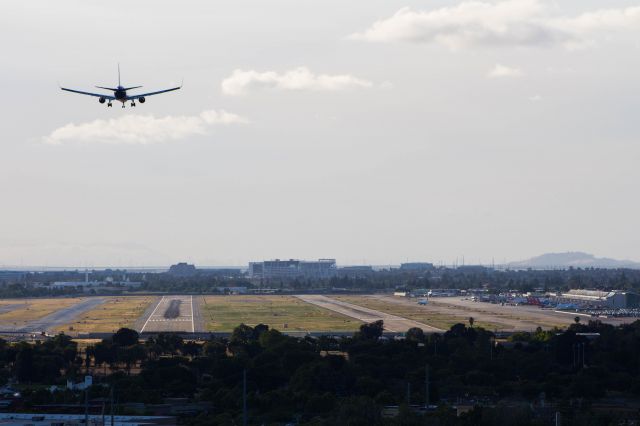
x=107, y=88
x=134, y=87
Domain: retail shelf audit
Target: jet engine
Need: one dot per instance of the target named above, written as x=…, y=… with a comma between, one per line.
x=141, y=99
x=101, y=100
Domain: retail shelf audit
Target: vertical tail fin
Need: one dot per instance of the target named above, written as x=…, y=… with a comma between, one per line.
x=119, y=84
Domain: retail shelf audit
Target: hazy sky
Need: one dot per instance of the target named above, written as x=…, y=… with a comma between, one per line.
x=369, y=131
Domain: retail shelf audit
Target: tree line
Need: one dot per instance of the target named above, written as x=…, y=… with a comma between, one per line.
x=350, y=380
x=384, y=280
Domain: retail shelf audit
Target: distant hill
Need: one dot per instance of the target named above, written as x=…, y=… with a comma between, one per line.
x=576, y=259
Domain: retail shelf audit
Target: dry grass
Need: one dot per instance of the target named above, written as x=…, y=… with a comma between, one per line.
x=115, y=313
x=284, y=313
x=27, y=310
x=429, y=314
x=522, y=317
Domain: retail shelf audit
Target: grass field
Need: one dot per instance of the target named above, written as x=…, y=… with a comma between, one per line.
x=28, y=310
x=115, y=313
x=284, y=313
x=429, y=314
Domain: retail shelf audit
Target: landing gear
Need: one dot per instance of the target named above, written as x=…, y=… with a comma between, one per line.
x=122, y=105
x=109, y=104
x=133, y=104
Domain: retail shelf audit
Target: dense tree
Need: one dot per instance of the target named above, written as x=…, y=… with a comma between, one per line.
x=415, y=334
x=371, y=331
x=353, y=380
x=219, y=282
x=125, y=337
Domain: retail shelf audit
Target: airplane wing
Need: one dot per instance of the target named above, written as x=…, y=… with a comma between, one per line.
x=97, y=95
x=142, y=95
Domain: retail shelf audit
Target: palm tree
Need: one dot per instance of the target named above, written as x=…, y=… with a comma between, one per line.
x=577, y=319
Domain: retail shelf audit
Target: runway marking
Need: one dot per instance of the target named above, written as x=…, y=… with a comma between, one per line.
x=393, y=323
x=184, y=322
x=193, y=327
x=154, y=311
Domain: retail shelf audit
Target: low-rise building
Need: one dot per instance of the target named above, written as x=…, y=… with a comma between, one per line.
x=355, y=271
x=616, y=299
x=416, y=266
x=11, y=276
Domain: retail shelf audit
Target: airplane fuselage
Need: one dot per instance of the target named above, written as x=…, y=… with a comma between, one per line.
x=120, y=94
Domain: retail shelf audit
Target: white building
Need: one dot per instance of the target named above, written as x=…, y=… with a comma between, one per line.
x=293, y=268
x=609, y=299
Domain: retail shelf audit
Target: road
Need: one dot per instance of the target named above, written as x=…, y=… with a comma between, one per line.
x=12, y=307
x=171, y=313
x=392, y=323
x=62, y=317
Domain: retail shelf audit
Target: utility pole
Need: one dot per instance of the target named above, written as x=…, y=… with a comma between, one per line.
x=244, y=397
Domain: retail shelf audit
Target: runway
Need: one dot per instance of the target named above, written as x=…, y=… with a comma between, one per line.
x=12, y=307
x=198, y=320
x=392, y=323
x=171, y=313
x=61, y=317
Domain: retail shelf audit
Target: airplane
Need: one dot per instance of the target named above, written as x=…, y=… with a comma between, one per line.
x=120, y=93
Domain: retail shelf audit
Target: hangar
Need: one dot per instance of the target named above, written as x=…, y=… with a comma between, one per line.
x=617, y=299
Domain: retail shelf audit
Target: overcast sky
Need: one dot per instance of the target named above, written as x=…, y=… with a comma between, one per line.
x=370, y=131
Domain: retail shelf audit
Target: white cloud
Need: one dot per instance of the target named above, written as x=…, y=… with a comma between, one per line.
x=535, y=98
x=500, y=70
x=512, y=22
x=142, y=129
x=604, y=20
x=505, y=23
x=241, y=82
x=588, y=27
